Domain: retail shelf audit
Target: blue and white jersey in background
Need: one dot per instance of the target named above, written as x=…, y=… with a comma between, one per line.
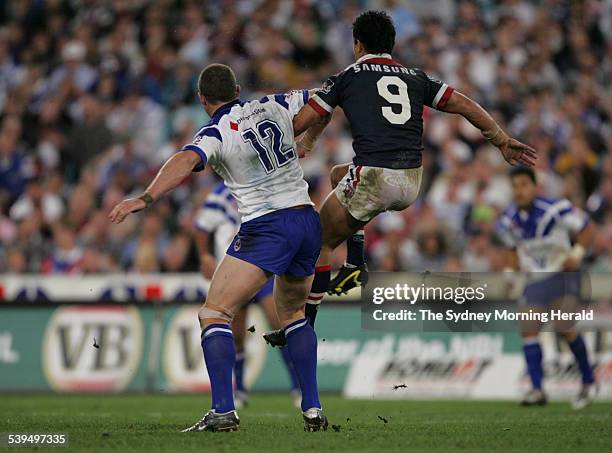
x=251, y=145
x=542, y=235
x=219, y=216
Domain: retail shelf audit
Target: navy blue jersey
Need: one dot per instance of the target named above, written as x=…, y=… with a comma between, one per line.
x=383, y=102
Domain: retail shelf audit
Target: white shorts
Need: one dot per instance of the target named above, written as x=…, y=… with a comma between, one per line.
x=367, y=191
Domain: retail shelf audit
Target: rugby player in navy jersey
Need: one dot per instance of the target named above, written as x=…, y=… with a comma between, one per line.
x=383, y=102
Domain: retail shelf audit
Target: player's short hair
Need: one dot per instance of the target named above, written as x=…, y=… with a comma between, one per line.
x=375, y=30
x=520, y=170
x=217, y=82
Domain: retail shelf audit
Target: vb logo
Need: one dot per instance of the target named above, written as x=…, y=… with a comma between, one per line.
x=70, y=360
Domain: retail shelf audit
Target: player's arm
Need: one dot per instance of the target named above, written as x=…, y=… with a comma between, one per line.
x=515, y=152
x=511, y=260
x=582, y=243
x=206, y=222
x=170, y=176
x=309, y=138
x=310, y=124
x=208, y=263
x=511, y=267
x=503, y=235
x=320, y=105
x=201, y=239
x=310, y=121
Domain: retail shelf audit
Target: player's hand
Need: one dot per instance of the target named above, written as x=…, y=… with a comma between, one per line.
x=125, y=208
x=517, y=153
x=208, y=264
x=301, y=150
x=570, y=264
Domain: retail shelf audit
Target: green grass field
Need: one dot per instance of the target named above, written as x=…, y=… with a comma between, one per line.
x=152, y=423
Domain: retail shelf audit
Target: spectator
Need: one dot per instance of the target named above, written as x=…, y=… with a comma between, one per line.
x=36, y=198
x=16, y=168
x=66, y=255
x=93, y=100
x=90, y=136
x=16, y=261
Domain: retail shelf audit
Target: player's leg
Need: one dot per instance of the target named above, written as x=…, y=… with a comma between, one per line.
x=535, y=299
x=353, y=272
x=289, y=294
x=366, y=193
x=239, y=330
x=268, y=305
x=337, y=173
x=225, y=297
x=589, y=389
x=566, y=328
x=338, y=225
x=302, y=228
x=532, y=352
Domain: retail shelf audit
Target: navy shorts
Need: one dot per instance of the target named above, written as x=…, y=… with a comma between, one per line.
x=282, y=242
x=265, y=291
x=546, y=291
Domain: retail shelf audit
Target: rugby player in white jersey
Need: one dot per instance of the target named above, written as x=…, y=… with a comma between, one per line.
x=251, y=145
x=547, y=238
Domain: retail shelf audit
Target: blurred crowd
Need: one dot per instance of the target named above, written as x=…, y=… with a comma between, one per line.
x=96, y=94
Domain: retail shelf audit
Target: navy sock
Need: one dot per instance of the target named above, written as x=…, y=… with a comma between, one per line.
x=533, y=357
x=295, y=384
x=311, y=311
x=220, y=355
x=354, y=249
x=239, y=370
x=319, y=287
x=582, y=359
x=302, y=345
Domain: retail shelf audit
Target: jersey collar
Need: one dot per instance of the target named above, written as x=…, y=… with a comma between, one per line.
x=370, y=56
x=225, y=108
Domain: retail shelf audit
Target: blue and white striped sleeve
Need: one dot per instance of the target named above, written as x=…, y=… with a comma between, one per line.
x=296, y=99
x=217, y=210
x=206, y=144
x=208, y=218
x=573, y=219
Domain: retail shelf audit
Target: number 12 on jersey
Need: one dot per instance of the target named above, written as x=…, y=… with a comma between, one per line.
x=269, y=140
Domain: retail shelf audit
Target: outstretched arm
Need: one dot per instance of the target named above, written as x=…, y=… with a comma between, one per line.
x=309, y=123
x=305, y=118
x=309, y=138
x=515, y=152
x=172, y=173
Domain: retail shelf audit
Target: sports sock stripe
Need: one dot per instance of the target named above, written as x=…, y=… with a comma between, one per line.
x=217, y=329
x=315, y=298
x=296, y=325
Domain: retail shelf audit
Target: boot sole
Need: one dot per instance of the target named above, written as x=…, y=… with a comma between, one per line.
x=338, y=288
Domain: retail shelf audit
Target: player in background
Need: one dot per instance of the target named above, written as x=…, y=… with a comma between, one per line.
x=251, y=145
x=383, y=102
x=217, y=222
x=539, y=233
